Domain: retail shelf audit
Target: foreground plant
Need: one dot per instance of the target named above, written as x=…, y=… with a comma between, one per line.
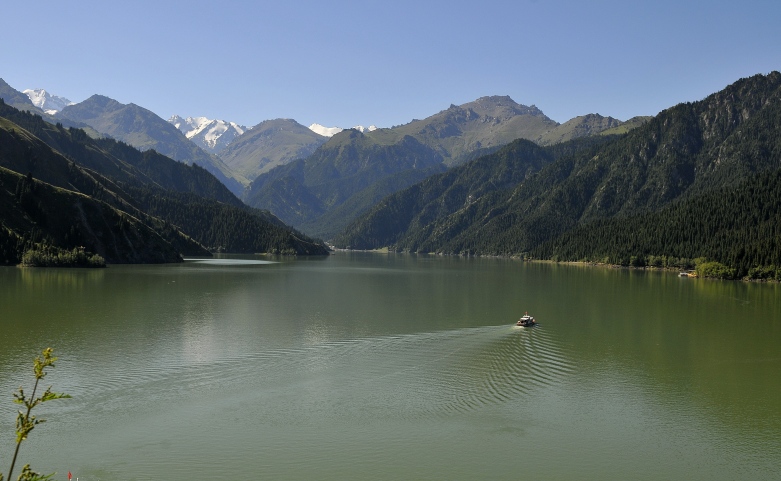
x=25, y=421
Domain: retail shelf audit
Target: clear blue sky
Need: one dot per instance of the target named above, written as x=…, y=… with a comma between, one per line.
x=343, y=63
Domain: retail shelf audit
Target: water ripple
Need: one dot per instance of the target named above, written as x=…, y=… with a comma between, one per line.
x=405, y=376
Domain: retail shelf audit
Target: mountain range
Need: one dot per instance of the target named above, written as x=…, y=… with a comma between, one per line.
x=352, y=168
x=486, y=122
x=339, y=175
x=22, y=101
x=695, y=185
x=210, y=135
x=144, y=130
x=322, y=193
x=64, y=192
x=51, y=104
x=665, y=193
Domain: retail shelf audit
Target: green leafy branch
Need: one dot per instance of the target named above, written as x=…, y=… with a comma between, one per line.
x=26, y=421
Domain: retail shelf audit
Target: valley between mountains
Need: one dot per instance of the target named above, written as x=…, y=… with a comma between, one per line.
x=694, y=187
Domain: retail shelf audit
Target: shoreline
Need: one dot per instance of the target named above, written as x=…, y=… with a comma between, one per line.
x=690, y=273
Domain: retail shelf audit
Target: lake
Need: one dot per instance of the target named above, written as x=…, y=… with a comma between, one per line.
x=383, y=366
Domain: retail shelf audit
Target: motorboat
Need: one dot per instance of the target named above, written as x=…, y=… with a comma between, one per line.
x=526, y=321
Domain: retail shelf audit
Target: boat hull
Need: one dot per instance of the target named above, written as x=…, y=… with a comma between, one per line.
x=526, y=321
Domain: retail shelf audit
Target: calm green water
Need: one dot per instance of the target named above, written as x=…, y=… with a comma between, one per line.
x=364, y=366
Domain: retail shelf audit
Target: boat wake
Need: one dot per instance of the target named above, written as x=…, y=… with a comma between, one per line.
x=408, y=376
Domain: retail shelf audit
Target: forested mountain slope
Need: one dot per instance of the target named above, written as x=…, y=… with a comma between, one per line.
x=120, y=161
x=302, y=192
x=39, y=217
x=345, y=177
x=415, y=210
x=140, y=184
x=739, y=226
x=687, y=150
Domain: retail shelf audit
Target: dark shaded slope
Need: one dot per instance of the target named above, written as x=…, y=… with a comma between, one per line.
x=344, y=177
x=737, y=226
x=414, y=209
x=17, y=99
x=120, y=161
x=332, y=221
x=689, y=149
x=40, y=220
x=299, y=193
x=183, y=195
x=38, y=215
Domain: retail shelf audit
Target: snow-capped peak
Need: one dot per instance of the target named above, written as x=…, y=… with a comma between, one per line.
x=331, y=131
x=325, y=131
x=51, y=104
x=212, y=135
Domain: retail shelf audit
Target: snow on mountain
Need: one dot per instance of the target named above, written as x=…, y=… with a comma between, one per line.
x=211, y=135
x=331, y=131
x=51, y=104
x=325, y=131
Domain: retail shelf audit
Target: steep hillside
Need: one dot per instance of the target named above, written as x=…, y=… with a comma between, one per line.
x=16, y=99
x=305, y=191
x=145, y=183
x=314, y=193
x=332, y=221
x=687, y=150
x=21, y=101
x=737, y=225
x=120, y=161
x=144, y=130
x=40, y=217
x=415, y=210
x=269, y=144
x=45, y=225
